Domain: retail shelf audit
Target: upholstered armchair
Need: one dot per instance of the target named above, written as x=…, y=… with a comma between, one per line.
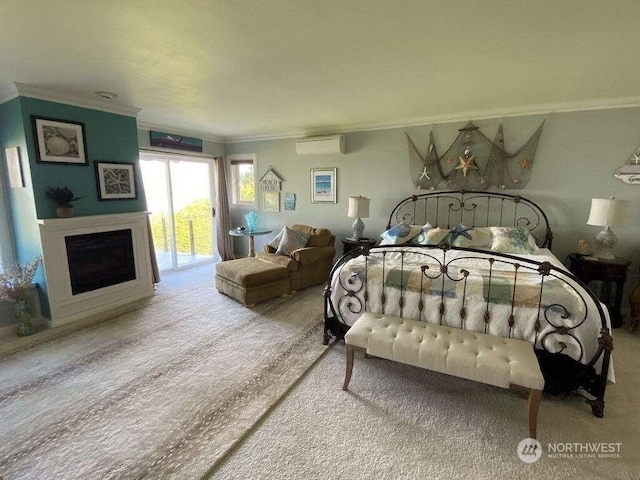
x=309, y=265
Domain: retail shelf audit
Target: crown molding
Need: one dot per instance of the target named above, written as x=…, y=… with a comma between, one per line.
x=487, y=114
x=187, y=133
x=32, y=91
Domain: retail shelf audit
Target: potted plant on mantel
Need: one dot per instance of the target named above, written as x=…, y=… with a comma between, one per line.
x=63, y=198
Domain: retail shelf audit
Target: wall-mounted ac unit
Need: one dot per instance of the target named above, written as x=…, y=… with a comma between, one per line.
x=321, y=145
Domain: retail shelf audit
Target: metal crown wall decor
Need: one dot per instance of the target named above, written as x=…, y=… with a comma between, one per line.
x=630, y=172
x=473, y=162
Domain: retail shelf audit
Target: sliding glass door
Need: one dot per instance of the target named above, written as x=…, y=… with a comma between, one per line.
x=179, y=196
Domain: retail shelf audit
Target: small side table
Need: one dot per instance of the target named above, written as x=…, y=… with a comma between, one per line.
x=250, y=233
x=609, y=272
x=349, y=245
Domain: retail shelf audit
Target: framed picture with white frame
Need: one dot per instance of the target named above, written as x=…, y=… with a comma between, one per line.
x=116, y=181
x=323, y=185
x=59, y=141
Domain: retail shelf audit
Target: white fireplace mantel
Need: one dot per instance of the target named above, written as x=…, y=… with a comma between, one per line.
x=91, y=221
x=66, y=307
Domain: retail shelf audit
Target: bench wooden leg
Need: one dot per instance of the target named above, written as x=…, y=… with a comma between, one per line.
x=351, y=349
x=534, y=403
x=347, y=375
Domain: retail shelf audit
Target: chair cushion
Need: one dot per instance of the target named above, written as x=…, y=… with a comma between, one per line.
x=319, y=237
x=292, y=240
x=251, y=272
x=287, y=262
x=308, y=255
x=475, y=356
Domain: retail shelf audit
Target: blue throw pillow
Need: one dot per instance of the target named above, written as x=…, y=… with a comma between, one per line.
x=400, y=234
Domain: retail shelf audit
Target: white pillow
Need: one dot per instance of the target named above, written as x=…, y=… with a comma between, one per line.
x=421, y=238
x=512, y=240
x=432, y=236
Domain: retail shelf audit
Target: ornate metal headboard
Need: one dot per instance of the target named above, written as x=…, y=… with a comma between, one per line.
x=475, y=209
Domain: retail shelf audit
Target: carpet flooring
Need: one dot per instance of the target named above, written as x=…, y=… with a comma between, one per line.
x=163, y=390
x=401, y=422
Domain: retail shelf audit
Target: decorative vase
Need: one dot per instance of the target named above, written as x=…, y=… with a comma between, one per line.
x=64, y=212
x=252, y=221
x=22, y=313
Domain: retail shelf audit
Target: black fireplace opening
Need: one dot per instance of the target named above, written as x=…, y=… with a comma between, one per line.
x=98, y=260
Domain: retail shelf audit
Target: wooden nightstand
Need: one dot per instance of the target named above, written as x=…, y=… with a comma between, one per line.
x=607, y=273
x=348, y=244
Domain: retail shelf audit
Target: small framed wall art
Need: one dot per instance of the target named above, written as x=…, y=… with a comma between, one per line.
x=289, y=201
x=116, y=181
x=59, y=141
x=271, y=201
x=14, y=167
x=171, y=140
x=323, y=185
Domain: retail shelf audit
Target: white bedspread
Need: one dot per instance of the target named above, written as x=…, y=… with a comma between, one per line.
x=348, y=296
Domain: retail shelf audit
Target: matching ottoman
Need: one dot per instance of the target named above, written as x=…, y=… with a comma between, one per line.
x=251, y=280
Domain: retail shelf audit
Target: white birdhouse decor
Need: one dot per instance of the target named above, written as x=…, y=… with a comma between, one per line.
x=270, y=180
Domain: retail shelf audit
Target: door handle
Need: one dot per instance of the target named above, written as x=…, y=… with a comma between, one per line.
x=213, y=212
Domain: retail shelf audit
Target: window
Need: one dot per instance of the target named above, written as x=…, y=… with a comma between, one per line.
x=243, y=179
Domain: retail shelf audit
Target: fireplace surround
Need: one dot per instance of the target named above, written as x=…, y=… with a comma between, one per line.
x=95, y=263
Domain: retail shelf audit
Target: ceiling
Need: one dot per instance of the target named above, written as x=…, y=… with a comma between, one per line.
x=236, y=69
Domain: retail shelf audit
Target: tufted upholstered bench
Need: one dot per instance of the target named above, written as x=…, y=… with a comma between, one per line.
x=503, y=362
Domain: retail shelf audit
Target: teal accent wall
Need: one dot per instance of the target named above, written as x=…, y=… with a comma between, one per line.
x=109, y=137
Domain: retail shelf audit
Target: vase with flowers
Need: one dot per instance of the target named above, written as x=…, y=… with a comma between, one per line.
x=15, y=283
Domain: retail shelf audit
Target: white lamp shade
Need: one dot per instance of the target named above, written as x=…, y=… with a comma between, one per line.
x=359, y=207
x=608, y=212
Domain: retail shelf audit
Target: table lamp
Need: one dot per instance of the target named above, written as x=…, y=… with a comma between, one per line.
x=358, y=209
x=607, y=212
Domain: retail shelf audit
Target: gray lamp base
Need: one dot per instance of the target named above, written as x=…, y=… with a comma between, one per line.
x=605, y=241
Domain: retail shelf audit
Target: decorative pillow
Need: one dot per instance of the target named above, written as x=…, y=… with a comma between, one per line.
x=400, y=234
x=275, y=242
x=292, y=240
x=421, y=238
x=435, y=235
x=463, y=236
x=512, y=240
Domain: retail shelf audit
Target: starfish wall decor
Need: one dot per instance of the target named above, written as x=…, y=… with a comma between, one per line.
x=481, y=163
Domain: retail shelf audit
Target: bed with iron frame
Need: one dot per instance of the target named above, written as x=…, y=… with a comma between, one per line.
x=570, y=329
